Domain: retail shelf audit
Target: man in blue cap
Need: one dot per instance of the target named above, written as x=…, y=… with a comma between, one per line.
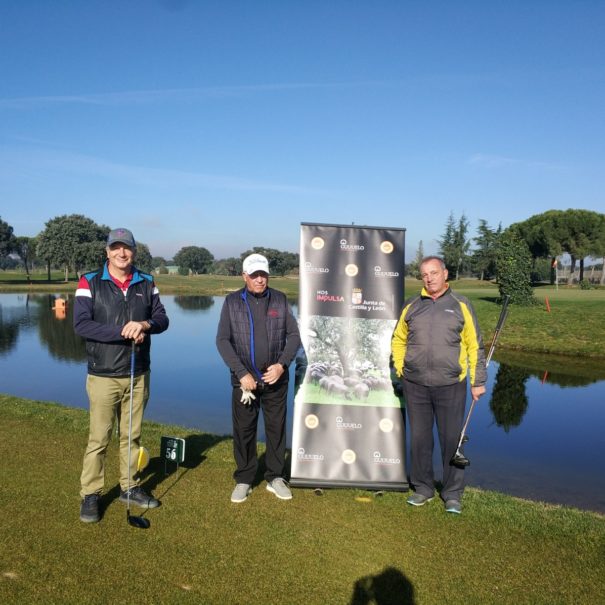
x=114, y=306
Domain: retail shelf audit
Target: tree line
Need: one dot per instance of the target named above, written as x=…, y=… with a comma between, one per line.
x=534, y=244
x=523, y=253
x=76, y=244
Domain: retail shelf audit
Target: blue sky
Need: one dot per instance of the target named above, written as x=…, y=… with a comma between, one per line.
x=226, y=124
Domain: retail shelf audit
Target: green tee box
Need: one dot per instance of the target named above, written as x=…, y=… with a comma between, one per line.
x=173, y=449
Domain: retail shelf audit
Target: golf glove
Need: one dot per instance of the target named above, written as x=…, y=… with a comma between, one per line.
x=247, y=397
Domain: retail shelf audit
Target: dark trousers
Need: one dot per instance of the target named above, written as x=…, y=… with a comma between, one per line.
x=273, y=401
x=445, y=405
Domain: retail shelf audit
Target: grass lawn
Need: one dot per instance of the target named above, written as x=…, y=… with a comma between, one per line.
x=574, y=326
x=347, y=546
x=208, y=285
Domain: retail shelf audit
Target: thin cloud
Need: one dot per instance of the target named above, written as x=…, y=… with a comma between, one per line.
x=492, y=161
x=483, y=160
x=140, y=97
x=78, y=164
x=148, y=97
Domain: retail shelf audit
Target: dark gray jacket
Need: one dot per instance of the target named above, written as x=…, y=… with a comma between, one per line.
x=437, y=342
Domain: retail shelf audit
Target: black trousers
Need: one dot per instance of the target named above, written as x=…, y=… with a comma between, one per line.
x=445, y=405
x=272, y=399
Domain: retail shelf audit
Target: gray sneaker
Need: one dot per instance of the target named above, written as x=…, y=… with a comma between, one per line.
x=139, y=497
x=453, y=506
x=418, y=499
x=240, y=493
x=280, y=488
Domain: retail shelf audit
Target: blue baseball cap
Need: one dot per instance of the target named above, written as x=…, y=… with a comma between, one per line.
x=122, y=236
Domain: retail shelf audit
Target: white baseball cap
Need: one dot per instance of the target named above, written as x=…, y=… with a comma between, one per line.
x=254, y=263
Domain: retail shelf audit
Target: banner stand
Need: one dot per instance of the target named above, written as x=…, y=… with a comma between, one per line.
x=349, y=423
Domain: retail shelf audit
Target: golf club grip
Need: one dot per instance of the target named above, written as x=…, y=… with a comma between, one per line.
x=132, y=356
x=503, y=313
x=499, y=325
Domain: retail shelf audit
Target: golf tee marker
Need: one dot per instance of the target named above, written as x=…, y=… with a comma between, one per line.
x=172, y=449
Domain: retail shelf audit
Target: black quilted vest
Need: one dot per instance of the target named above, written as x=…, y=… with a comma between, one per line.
x=241, y=321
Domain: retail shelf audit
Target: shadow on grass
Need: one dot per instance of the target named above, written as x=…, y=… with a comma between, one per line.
x=390, y=587
x=159, y=469
x=260, y=471
x=497, y=300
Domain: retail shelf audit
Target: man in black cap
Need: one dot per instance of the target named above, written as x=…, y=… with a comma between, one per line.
x=114, y=306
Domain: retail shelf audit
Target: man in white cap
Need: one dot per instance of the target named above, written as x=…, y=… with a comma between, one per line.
x=258, y=338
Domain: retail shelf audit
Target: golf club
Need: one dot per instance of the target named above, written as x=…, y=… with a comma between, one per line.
x=133, y=520
x=459, y=459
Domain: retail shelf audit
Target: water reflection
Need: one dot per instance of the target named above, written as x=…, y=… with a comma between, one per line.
x=509, y=401
x=15, y=315
x=9, y=330
x=55, y=325
x=52, y=320
x=563, y=371
x=536, y=403
x=194, y=303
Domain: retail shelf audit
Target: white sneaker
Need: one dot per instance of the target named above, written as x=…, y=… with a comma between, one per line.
x=280, y=488
x=240, y=493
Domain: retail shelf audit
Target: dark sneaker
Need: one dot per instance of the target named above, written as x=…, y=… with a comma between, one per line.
x=89, y=509
x=453, y=506
x=418, y=499
x=280, y=488
x=139, y=497
x=240, y=492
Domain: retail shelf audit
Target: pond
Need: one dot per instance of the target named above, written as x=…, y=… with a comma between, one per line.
x=538, y=433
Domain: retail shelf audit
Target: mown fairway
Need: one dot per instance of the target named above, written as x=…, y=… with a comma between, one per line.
x=346, y=546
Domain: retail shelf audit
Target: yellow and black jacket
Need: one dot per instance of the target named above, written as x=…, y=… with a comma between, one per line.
x=437, y=341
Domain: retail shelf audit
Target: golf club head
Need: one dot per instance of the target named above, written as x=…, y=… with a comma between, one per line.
x=142, y=459
x=460, y=460
x=136, y=521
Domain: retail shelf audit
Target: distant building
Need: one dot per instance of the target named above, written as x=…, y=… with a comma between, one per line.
x=172, y=270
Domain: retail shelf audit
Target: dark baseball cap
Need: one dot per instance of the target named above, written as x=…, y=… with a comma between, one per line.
x=122, y=236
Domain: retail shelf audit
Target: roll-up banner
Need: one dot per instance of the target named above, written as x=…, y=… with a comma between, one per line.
x=349, y=423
